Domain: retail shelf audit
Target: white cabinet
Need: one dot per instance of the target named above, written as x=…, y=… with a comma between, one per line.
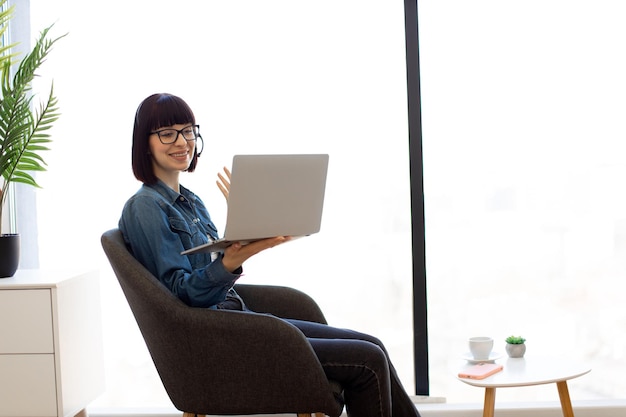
x=51, y=362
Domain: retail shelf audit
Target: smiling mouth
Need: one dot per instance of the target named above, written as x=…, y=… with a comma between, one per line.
x=180, y=154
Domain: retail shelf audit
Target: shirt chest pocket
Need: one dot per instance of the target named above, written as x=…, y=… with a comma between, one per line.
x=189, y=232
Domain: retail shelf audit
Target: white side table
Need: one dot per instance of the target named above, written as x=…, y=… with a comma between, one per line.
x=530, y=371
x=51, y=361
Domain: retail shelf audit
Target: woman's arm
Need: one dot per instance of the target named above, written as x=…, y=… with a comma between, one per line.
x=156, y=236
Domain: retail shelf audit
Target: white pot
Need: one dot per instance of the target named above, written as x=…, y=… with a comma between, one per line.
x=515, y=351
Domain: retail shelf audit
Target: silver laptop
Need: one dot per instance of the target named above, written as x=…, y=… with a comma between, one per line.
x=272, y=195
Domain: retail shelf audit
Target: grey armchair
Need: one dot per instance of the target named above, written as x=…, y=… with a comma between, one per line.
x=227, y=362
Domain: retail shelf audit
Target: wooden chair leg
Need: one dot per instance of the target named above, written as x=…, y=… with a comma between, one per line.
x=193, y=415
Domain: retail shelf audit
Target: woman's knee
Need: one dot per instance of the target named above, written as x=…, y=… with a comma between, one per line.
x=375, y=355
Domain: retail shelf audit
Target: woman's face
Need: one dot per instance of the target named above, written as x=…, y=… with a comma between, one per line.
x=172, y=158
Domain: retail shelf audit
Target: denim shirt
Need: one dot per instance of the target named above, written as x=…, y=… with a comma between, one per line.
x=158, y=224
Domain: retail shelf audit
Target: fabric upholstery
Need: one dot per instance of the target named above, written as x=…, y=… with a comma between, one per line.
x=226, y=362
x=284, y=302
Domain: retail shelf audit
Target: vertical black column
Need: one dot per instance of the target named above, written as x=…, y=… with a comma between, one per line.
x=420, y=317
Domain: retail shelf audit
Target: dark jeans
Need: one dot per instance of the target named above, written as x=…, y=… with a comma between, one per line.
x=361, y=364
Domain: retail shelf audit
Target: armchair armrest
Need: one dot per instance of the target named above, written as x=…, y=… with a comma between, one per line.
x=284, y=302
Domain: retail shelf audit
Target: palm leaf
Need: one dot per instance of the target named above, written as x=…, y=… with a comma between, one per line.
x=24, y=133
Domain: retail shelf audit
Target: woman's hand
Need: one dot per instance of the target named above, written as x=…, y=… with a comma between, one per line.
x=223, y=183
x=236, y=254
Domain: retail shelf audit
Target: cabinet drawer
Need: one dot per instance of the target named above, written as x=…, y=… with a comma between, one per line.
x=27, y=386
x=26, y=321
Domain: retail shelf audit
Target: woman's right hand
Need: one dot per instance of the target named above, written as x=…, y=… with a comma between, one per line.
x=236, y=254
x=223, y=183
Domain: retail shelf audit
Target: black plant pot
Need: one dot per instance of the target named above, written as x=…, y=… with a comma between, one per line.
x=9, y=254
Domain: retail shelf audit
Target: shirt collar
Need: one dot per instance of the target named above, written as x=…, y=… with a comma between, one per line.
x=170, y=194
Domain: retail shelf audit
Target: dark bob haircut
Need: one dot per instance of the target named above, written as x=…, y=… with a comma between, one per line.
x=157, y=111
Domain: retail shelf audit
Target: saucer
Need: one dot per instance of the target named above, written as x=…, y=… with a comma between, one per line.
x=492, y=357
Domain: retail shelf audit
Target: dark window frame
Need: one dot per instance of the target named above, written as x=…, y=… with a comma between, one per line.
x=420, y=316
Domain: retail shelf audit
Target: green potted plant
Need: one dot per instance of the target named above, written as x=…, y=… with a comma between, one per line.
x=24, y=131
x=515, y=346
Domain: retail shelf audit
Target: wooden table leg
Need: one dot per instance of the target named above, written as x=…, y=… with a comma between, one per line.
x=81, y=413
x=490, y=402
x=566, y=403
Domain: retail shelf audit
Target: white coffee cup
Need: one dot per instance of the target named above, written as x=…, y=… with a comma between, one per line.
x=480, y=347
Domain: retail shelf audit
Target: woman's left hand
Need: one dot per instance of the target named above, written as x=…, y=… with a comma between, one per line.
x=223, y=183
x=236, y=254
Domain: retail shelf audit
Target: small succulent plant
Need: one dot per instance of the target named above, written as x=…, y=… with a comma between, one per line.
x=515, y=340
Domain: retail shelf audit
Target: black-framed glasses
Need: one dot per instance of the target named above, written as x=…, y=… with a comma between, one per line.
x=169, y=135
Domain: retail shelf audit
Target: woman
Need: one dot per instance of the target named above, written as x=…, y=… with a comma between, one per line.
x=164, y=218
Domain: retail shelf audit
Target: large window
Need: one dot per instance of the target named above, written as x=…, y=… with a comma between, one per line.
x=262, y=76
x=525, y=184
